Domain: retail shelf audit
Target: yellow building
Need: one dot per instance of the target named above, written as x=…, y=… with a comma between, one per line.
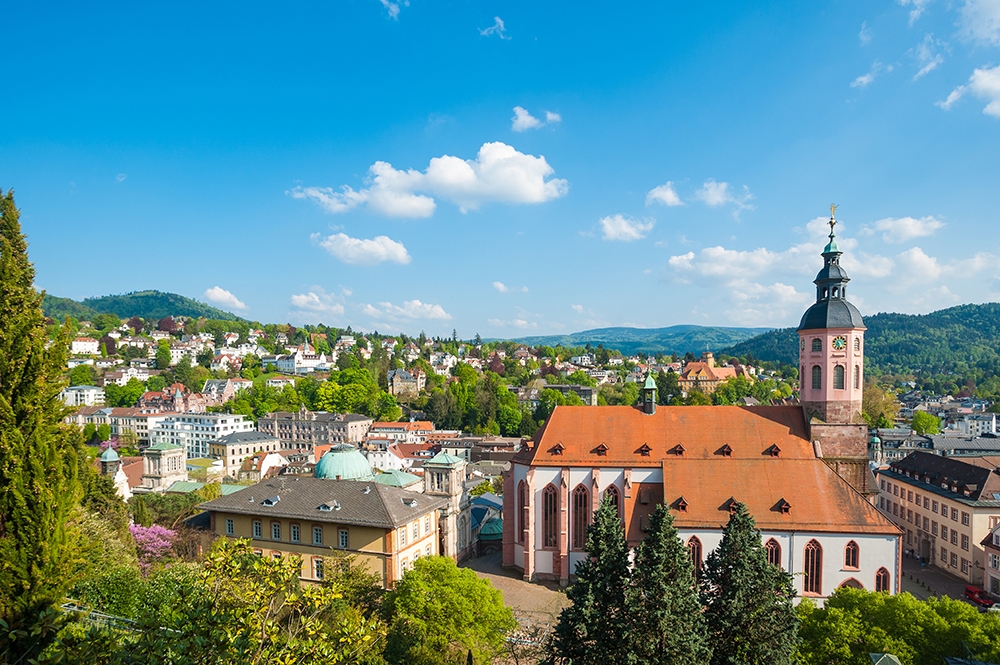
x=387, y=528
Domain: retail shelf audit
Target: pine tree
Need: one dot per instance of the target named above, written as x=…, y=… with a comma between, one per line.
x=667, y=625
x=39, y=457
x=594, y=629
x=748, y=601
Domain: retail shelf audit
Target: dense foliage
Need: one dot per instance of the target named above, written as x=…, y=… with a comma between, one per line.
x=652, y=341
x=144, y=304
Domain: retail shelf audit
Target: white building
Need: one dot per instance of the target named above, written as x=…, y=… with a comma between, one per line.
x=82, y=396
x=196, y=431
x=85, y=345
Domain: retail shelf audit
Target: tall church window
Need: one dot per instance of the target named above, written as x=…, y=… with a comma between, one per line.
x=694, y=548
x=522, y=510
x=611, y=494
x=773, y=550
x=857, y=343
x=882, y=580
x=817, y=377
x=857, y=376
x=550, y=516
x=581, y=516
x=851, y=555
x=817, y=344
x=813, y=561
x=838, y=377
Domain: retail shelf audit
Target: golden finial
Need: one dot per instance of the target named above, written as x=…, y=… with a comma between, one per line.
x=833, y=222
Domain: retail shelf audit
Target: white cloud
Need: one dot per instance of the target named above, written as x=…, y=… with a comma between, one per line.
x=619, y=227
x=503, y=288
x=220, y=296
x=318, y=300
x=513, y=323
x=664, y=194
x=901, y=229
x=497, y=29
x=392, y=8
x=360, y=251
x=927, y=55
x=715, y=194
x=980, y=21
x=918, y=8
x=523, y=120
x=984, y=84
x=498, y=174
x=410, y=309
x=865, y=80
x=120, y=177
x=577, y=308
x=865, y=36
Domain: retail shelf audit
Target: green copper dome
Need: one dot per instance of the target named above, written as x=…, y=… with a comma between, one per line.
x=344, y=462
x=109, y=455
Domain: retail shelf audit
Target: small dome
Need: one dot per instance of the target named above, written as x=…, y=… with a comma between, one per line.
x=109, y=455
x=344, y=462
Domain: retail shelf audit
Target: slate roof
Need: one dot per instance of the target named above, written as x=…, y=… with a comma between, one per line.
x=361, y=503
x=832, y=313
x=246, y=438
x=980, y=476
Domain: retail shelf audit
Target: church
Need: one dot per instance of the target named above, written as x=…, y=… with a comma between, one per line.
x=802, y=471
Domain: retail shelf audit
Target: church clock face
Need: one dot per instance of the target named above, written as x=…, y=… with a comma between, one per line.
x=839, y=343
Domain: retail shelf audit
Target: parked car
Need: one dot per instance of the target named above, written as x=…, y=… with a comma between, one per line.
x=978, y=596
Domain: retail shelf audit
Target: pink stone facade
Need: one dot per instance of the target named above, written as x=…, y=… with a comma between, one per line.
x=840, y=375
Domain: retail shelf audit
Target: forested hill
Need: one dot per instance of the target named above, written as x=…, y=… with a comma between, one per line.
x=675, y=339
x=144, y=304
x=953, y=340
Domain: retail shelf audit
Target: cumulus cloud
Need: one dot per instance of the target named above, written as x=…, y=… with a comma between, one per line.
x=319, y=301
x=918, y=8
x=715, y=194
x=410, y=309
x=865, y=36
x=503, y=288
x=901, y=229
x=498, y=174
x=497, y=29
x=927, y=56
x=361, y=251
x=619, y=227
x=219, y=296
x=980, y=21
x=865, y=80
x=664, y=194
x=523, y=120
x=984, y=84
x=393, y=8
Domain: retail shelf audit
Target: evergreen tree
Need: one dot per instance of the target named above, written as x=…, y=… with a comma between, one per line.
x=667, y=625
x=594, y=629
x=748, y=601
x=39, y=457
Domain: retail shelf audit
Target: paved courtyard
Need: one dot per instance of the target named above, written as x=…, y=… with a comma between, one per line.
x=926, y=581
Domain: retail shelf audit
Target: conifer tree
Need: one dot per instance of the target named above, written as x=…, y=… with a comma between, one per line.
x=748, y=601
x=39, y=456
x=594, y=629
x=666, y=622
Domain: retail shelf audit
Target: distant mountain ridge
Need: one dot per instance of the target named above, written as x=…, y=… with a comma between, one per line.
x=145, y=304
x=949, y=340
x=630, y=341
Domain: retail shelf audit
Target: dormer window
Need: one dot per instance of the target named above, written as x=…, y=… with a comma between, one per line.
x=730, y=505
x=678, y=450
x=783, y=506
x=645, y=450
x=774, y=451
x=601, y=450
x=270, y=501
x=681, y=505
x=725, y=451
x=557, y=449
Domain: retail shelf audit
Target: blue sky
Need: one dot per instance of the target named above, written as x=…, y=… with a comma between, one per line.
x=507, y=168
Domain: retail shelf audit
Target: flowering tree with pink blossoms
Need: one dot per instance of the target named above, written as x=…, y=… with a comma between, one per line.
x=152, y=543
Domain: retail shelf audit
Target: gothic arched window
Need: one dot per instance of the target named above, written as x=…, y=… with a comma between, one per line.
x=611, y=494
x=817, y=377
x=838, y=377
x=522, y=510
x=817, y=344
x=773, y=549
x=857, y=343
x=694, y=547
x=857, y=376
x=581, y=516
x=882, y=580
x=851, y=555
x=813, y=568
x=550, y=516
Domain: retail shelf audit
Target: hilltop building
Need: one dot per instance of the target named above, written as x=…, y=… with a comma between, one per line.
x=802, y=471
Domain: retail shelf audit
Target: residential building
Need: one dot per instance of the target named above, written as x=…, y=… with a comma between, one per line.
x=235, y=447
x=175, y=397
x=978, y=425
x=991, y=547
x=306, y=429
x=385, y=527
x=220, y=391
x=195, y=432
x=813, y=511
x=85, y=346
x=586, y=393
x=261, y=465
x=414, y=431
x=120, y=419
x=123, y=376
x=280, y=382
x=405, y=384
x=82, y=396
x=946, y=506
x=704, y=375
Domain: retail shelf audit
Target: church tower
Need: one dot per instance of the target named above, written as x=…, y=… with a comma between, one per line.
x=831, y=371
